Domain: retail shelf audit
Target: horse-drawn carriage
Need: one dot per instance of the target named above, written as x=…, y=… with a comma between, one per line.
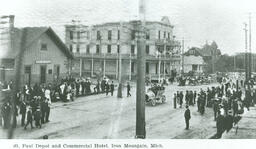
x=155, y=95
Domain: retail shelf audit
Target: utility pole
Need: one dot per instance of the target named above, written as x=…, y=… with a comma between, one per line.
x=164, y=56
x=182, y=57
x=92, y=66
x=159, y=67
x=250, y=49
x=140, y=87
x=119, y=93
x=235, y=63
x=18, y=70
x=130, y=63
x=245, y=57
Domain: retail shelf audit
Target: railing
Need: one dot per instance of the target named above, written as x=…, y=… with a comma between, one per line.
x=125, y=56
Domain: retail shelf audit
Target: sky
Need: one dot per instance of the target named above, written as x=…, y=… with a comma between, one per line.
x=198, y=21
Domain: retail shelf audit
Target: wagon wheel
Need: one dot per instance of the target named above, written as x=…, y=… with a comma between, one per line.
x=153, y=102
x=163, y=99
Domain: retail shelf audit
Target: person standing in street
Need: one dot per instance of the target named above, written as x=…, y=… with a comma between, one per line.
x=220, y=124
x=187, y=117
x=37, y=117
x=187, y=97
x=103, y=85
x=112, y=88
x=175, y=101
x=29, y=119
x=23, y=111
x=180, y=99
x=194, y=97
x=77, y=87
x=128, y=89
x=47, y=111
x=107, y=88
x=215, y=108
x=43, y=111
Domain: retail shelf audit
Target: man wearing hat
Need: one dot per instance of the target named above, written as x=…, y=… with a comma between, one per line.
x=215, y=108
x=229, y=121
x=187, y=117
x=29, y=118
x=23, y=111
x=220, y=124
x=37, y=117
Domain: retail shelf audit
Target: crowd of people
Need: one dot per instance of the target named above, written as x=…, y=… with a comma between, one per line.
x=194, y=80
x=227, y=101
x=32, y=103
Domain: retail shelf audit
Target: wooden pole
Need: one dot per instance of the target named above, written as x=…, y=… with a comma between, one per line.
x=140, y=89
x=119, y=93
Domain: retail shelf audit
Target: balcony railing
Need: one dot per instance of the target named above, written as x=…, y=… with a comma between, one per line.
x=125, y=56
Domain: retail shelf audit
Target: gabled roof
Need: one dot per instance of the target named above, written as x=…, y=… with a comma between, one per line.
x=196, y=53
x=32, y=34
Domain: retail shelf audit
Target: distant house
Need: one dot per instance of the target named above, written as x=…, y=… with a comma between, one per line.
x=193, y=61
x=202, y=59
x=45, y=57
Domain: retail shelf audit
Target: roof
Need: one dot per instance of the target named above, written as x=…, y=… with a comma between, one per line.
x=164, y=21
x=196, y=53
x=32, y=34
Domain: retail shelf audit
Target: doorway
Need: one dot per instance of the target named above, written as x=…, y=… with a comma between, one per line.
x=28, y=75
x=42, y=74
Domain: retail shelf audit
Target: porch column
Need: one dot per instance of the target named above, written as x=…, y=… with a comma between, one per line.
x=92, y=67
x=164, y=68
x=159, y=70
x=80, y=70
x=104, y=66
x=116, y=68
x=130, y=75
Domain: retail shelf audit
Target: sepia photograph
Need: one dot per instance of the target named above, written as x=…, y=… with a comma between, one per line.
x=127, y=70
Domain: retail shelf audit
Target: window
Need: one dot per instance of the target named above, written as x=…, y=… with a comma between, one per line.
x=133, y=35
x=71, y=35
x=109, y=35
x=58, y=71
x=88, y=49
x=50, y=71
x=98, y=35
x=28, y=69
x=147, y=49
x=118, y=35
x=147, y=68
x=164, y=34
x=43, y=47
x=109, y=48
x=8, y=63
x=147, y=36
x=159, y=34
x=97, y=49
x=194, y=67
x=132, y=49
x=168, y=35
x=77, y=48
x=132, y=67
x=78, y=35
x=71, y=48
x=118, y=48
